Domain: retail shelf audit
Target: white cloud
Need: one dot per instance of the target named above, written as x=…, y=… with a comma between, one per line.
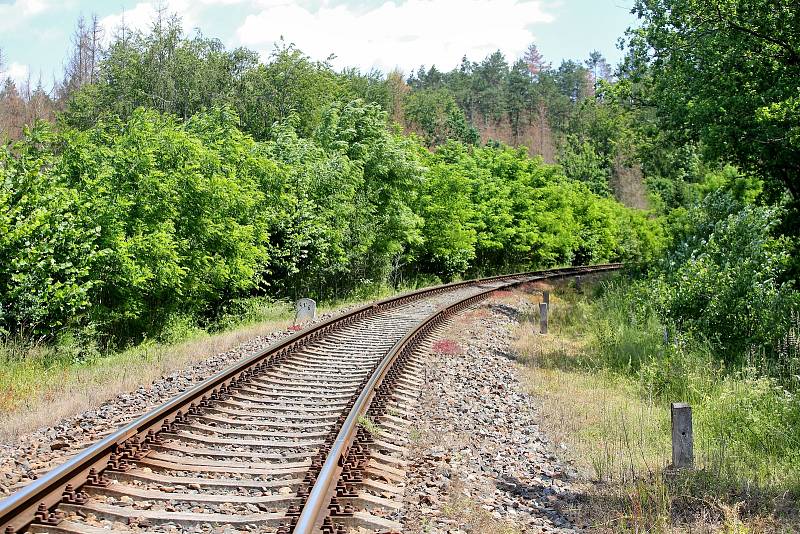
x=413, y=32
x=221, y=2
x=138, y=18
x=143, y=14
x=30, y=7
x=17, y=72
x=13, y=13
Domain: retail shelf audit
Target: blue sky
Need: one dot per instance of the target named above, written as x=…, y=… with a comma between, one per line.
x=35, y=34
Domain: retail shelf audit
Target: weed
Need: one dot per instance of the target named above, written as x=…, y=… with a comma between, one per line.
x=370, y=426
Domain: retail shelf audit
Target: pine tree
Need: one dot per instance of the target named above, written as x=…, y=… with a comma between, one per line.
x=534, y=60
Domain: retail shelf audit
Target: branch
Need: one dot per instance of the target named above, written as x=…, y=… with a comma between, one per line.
x=794, y=55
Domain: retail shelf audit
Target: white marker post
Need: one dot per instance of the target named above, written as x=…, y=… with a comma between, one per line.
x=306, y=311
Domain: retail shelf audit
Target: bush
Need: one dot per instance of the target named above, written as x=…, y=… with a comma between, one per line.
x=723, y=278
x=747, y=425
x=126, y=226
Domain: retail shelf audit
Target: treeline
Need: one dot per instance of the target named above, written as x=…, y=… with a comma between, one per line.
x=121, y=225
x=314, y=181
x=713, y=126
x=706, y=103
x=568, y=114
x=523, y=103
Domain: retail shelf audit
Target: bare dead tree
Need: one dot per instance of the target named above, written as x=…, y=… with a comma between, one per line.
x=82, y=65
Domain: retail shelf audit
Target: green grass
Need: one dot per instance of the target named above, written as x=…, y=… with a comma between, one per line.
x=605, y=377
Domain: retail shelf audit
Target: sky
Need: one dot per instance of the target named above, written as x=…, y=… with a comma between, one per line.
x=404, y=34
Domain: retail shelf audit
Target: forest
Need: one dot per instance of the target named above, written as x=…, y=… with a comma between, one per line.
x=168, y=176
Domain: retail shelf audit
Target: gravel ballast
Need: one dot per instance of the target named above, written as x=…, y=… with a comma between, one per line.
x=477, y=459
x=480, y=462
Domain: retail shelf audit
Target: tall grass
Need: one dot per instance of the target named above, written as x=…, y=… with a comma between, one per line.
x=612, y=367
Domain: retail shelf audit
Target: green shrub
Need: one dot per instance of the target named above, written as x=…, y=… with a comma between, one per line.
x=746, y=424
x=724, y=276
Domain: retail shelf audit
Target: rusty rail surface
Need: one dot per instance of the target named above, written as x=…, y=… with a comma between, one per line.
x=327, y=487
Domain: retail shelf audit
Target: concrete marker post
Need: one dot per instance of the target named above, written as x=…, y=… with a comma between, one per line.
x=682, y=438
x=543, y=317
x=306, y=311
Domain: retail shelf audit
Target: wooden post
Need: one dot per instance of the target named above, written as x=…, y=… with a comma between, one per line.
x=543, y=317
x=546, y=297
x=682, y=439
x=578, y=283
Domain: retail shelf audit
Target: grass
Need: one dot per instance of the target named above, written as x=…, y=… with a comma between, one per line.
x=604, y=382
x=371, y=427
x=48, y=383
x=42, y=384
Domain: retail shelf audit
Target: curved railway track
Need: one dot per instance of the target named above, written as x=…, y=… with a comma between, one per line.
x=279, y=442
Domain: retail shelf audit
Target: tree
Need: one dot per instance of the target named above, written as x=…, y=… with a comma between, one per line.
x=444, y=204
x=162, y=70
x=518, y=96
x=573, y=81
x=599, y=69
x=488, y=84
x=724, y=73
x=534, y=60
x=436, y=113
x=290, y=84
x=397, y=90
x=83, y=64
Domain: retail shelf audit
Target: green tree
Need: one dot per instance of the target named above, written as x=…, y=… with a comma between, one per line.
x=725, y=73
x=437, y=115
x=445, y=206
x=162, y=70
x=488, y=84
x=290, y=84
x=581, y=161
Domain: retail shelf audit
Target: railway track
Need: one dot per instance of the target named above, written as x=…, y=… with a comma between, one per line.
x=280, y=442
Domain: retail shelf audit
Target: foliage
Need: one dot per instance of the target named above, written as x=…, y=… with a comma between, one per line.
x=183, y=176
x=291, y=84
x=167, y=71
x=723, y=277
x=439, y=117
x=163, y=70
x=724, y=73
x=609, y=374
x=725, y=399
x=127, y=224
x=528, y=213
x=445, y=205
x=134, y=221
x=581, y=161
x=49, y=250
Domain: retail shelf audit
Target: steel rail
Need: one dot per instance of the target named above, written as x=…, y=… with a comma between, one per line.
x=315, y=511
x=34, y=501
